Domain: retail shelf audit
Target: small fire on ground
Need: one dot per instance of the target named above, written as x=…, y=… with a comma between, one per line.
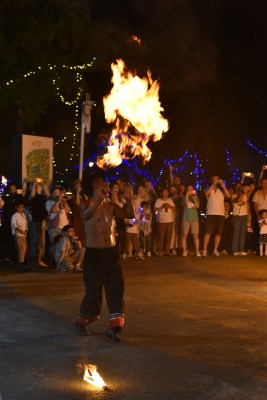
x=91, y=375
x=134, y=109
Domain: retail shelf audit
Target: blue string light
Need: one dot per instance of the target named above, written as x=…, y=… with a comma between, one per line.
x=236, y=175
x=262, y=152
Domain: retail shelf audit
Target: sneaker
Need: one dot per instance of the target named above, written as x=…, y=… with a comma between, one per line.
x=42, y=264
x=184, y=254
x=198, y=254
x=78, y=269
x=236, y=253
x=174, y=253
x=114, y=334
x=60, y=270
x=148, y=254
x=216, y=253
x=124, y=256
x=243, y=253
x=224, y=252
x=204, y=253
x=139, y=256
x=130, y=255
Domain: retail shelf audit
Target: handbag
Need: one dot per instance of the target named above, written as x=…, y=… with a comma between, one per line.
x=53, y=222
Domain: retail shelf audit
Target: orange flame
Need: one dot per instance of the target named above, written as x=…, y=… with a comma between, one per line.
x=133, y=103
x=91, y=375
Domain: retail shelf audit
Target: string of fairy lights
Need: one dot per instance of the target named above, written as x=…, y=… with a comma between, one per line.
x=257, y=149
x=188, y=163
x=188, y=167
x=73, y=103
x=236, y=174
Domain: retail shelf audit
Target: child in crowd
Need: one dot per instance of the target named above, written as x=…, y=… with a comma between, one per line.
x=263, y=232
x=19, y=228
x=69, y=252
x=145, y=228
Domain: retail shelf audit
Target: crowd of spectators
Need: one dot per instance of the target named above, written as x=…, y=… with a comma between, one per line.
x=45, y=228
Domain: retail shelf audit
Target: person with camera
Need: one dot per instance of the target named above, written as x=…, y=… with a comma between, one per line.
x=164, y=207
x=215, y=196
x=69, y=252
x=190, y=219
x=78, y=202
x=37, y=227
x=57, y=208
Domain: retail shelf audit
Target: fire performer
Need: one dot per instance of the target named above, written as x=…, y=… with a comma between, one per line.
x=101, y=262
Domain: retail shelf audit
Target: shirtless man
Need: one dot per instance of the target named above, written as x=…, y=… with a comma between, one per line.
x=101, y=262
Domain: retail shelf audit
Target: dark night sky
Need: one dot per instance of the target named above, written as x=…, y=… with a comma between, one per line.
x=210, y=56
x=210, y=59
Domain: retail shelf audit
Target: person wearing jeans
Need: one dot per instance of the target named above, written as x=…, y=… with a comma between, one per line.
x=240, y=211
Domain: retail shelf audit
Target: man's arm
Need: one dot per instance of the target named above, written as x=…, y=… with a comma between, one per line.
x=224, y=188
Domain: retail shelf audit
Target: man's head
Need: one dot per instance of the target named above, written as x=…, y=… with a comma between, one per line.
x=19, y=206
x=68, y=231
x=96, y=183
x=263, y=183
x=56, y=194
x=12, y=189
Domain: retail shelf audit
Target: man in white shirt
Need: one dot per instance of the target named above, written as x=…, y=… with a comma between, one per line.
x=259, y=199
x=215, y=196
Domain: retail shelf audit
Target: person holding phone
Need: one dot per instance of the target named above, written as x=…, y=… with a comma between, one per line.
x=215, y=196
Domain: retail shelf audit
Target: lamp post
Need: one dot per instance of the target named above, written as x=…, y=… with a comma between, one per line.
x=85, y=128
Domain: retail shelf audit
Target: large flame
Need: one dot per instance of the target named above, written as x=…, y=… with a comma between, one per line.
x=91, y=375
x=133, y=104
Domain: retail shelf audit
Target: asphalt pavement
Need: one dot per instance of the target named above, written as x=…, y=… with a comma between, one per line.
x=196, y=328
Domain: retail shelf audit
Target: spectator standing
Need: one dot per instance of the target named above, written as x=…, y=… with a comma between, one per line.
x=215, y=195
x=164, y=207
x=259, y=199
x=226, y=241
x=145, y=230
x=263, y=232
x=240, y=213
x=19, y=231
x=57, y=208
x=120, y=232
x=190, y=219
x=9, y=207
x=132, y=227
x=78, y=203
x=37, y=201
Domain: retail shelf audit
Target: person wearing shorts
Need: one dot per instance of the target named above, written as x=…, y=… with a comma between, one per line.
x=190, y=219
x=215, y=196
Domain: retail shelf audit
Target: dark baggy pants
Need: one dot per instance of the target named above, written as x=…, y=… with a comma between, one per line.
x=102, y=269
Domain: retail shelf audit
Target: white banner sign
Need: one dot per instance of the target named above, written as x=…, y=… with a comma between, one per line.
x=37, y=158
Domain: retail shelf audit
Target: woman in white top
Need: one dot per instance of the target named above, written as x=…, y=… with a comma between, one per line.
x=240, y=216
x=164, y=207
